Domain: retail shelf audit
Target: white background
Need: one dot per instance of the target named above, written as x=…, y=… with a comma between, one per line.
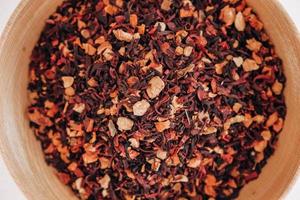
x=10, y=191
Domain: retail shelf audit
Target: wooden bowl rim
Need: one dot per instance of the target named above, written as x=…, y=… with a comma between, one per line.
x=10, y=164
x=3, y=152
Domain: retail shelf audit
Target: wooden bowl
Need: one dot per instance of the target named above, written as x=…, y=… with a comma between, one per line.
x=23, y=155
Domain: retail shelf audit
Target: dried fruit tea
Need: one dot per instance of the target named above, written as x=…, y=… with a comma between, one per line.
x=156, y=99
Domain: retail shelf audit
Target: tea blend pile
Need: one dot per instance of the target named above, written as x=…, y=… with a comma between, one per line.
x=156, y=99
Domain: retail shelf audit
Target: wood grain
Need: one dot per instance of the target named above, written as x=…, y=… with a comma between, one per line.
x=23, y=155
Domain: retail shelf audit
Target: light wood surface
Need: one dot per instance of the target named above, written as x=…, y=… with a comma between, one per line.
x=23, y=155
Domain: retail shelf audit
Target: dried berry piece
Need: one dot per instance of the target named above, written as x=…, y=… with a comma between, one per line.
x=194, y=163
x=79, y=108
x=67, y=81
x=122, y=35
x=161, y=126
x=266, y=135
x=124, y=124
x=250, y=65
x=161, y=154
x=239, y=22
x=140, y=107
x=277, y=87
x=236, y=107
x=112, y=128
x=228, y=15
x=179, y=51
x=253, y=45
x=89, y=49
x=260, y=146
x=111, y=10
x=166, y=5
x=134, y=142
x=180, y=178
x=104, y=163
x=161, y=26
x=133, y=20
x=155, y=86
x=187, y=51
x=238, y=61
x=85, y=33
x=104, y=182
